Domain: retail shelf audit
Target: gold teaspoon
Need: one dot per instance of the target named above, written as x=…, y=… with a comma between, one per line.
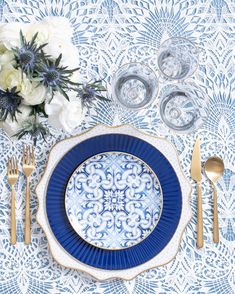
x=214, y=168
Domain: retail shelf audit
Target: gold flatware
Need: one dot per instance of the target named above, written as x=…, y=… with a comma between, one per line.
x=28, y=167
x=12, y=175
x=214, y=169
x=196, y=176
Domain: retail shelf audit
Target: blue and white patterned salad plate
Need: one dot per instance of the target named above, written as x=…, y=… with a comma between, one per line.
x=113, y=202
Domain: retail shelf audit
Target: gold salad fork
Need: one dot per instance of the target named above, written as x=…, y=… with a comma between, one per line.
x=28, y=167
x=12, y=174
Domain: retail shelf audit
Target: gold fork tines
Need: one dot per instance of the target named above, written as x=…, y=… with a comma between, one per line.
x=28, y=167
x=12, y=174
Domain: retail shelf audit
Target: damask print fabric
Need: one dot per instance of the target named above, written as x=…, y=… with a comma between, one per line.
x=108, y=34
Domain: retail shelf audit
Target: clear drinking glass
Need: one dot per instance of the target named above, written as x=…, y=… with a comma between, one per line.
x=177, y=58
x=134, y=85
x=183, y=107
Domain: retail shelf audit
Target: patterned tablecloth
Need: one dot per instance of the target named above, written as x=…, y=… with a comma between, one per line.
x=109, y=33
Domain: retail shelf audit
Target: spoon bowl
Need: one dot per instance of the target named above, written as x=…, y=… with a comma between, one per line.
x=214, y=169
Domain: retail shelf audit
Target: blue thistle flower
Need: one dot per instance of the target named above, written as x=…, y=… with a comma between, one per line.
x=55, y=77
x=29, y=54
x=89, y=92
x=9, y=103
x=34, y=130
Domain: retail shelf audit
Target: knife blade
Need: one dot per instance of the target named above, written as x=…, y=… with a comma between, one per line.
x=196, y=162
x=196, y=176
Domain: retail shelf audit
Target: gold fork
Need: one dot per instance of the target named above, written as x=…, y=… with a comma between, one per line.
x=28, y=167
x=12, y=175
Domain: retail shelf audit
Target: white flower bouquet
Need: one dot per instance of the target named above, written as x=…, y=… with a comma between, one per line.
x=39, y=78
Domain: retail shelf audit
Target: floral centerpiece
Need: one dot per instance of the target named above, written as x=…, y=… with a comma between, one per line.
x=39, y=78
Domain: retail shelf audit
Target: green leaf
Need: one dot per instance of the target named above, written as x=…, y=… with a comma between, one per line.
x=74, y=83
x=63, y=93
x=103, y=98
x=69, y=71
x=58, y=60
x=33, y=129
x=22, y=39
x=20, y=135
x=13, y=90
x=42, y=46
x=102, y=90
x=39, y=109
x=97, y=82
x=33, y=39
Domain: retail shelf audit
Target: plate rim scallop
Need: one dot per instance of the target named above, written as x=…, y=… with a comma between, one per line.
x=169, y=251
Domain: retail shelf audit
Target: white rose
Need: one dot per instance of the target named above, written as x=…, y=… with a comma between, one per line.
x=59, y=27
x=50, y=28
x=12, y=127
x=25, y=87
x=6, y=56
x=11, y=77
x=63, y=113
x=57, y=33
x=36, y=96
x=30, y=91
x=10, y=33
x=69, y=52
x=43, y=33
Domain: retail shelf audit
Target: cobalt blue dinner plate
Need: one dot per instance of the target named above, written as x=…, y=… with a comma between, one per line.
x=131, y=256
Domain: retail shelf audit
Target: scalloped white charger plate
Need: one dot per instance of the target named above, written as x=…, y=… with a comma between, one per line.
x=168, y=252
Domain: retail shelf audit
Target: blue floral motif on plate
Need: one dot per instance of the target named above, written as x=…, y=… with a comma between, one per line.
x=113, y=200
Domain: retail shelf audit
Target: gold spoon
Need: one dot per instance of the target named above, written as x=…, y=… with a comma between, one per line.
x=214, y=168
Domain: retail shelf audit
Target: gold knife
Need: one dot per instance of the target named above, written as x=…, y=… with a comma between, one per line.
x=196, y=176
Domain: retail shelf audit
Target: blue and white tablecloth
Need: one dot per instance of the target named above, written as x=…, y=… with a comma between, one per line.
x=109, y=33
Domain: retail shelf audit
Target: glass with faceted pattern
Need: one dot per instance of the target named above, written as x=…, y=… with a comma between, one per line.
x=183, y=107
x=134, y=86
x=177, y=58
